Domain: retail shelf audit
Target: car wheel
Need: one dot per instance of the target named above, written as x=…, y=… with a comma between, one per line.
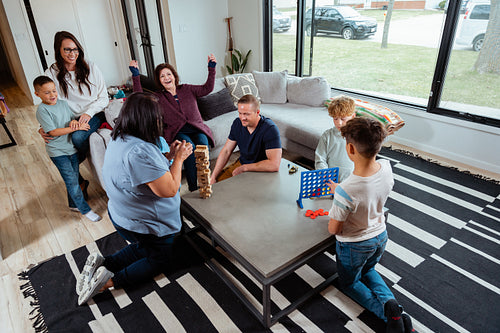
x=477, y=44
x=348, y=33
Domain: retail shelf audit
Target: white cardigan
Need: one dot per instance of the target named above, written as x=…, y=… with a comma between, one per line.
x=89, y=103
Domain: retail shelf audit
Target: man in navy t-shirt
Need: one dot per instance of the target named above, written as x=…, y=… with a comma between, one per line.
x=258, y=139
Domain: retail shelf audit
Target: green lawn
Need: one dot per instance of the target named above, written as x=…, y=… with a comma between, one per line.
x=400, y=69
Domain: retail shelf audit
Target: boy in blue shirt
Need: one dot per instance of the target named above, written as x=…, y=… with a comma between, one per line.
x=56, y=119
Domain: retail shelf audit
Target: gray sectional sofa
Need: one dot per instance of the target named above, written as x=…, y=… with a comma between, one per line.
x=294, y=104
x=299, y=115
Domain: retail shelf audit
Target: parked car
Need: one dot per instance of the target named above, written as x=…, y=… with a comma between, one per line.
x=463, y=6
x=281, y=22
x=473, y=24
x=339, y=20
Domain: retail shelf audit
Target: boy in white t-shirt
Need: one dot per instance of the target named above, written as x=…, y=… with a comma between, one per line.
x=357, y=220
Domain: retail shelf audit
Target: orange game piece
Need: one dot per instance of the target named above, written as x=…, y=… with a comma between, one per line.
x=309, y=212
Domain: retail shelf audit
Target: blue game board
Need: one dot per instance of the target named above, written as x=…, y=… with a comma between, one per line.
x=314, y=184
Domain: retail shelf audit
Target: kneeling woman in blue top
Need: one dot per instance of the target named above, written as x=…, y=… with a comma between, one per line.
x=144, y=200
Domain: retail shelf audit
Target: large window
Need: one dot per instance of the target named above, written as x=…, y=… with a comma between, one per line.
x=421, y=56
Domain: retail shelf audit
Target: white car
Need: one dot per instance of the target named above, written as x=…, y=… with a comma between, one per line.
x=473, y=24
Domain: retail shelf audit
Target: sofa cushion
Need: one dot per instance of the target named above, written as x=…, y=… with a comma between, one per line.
x=219, y=84
x=215, y=104
x=299, y=123
x=240, y=85
x=113, y=110
x=271, y=86
x=312, y=91
x=220, y=127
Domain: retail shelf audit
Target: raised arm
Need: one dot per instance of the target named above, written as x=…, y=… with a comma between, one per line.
x=208, y=86
x=136, y=78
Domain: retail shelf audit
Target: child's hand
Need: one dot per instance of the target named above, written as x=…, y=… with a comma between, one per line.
x=332, y=185
x=74, y=125
x=84, y=126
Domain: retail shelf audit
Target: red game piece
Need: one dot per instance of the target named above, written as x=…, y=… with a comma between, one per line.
x=309, y=212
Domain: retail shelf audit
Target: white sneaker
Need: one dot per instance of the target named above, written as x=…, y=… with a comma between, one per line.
x=101, y=276
x=92, y=216
x=94, y=261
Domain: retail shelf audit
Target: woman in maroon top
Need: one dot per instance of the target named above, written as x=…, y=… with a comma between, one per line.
x=181, y=116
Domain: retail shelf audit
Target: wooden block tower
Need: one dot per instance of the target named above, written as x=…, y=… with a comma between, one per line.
x=203, y=167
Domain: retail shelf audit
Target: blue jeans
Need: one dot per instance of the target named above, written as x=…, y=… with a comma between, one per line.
x=81, y=138
x=357, y=276
x=68, y=168
x=195, y=137
x=146, y=257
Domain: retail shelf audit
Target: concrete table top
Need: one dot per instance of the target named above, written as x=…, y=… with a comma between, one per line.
x=257, y=215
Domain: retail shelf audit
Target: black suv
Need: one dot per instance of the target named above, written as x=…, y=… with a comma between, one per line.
x=340, y=20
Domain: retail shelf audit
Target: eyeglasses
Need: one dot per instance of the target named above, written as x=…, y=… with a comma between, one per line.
x=67, y=50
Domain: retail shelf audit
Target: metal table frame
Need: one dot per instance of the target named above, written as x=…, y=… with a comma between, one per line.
x=265, y=317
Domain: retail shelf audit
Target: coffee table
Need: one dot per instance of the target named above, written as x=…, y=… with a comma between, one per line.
x=254, y=217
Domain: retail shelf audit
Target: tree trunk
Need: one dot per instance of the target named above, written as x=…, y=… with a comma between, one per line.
x=488, y=60
x=387, y=23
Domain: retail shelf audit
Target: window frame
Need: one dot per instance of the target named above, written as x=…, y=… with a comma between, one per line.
x=438, y=81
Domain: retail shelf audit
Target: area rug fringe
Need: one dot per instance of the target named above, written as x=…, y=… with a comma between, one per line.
x=35, y=315
x=434, y=161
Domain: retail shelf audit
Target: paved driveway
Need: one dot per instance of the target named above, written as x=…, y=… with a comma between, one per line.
x=422, y=30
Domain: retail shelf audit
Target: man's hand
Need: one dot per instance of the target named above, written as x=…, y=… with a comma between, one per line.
x=242, y=168
x=46, y=136
x=84, y=119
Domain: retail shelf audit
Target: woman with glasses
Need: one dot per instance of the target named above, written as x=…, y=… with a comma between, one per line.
x=82, y=85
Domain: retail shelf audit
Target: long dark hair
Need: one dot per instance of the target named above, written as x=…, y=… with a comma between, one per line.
x=141, y=117
x=82, y=67
x=161, y=67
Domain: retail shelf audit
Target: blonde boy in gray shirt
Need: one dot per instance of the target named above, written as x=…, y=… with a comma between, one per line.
x=331, y=152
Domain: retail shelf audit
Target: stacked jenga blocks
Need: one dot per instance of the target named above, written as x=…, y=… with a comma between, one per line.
x=203, y=167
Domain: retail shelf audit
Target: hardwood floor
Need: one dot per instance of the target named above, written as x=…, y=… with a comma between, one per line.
x=35, y=222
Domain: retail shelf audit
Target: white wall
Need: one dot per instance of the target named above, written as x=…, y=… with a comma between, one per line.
x=91, y=30
x=247, y=28
x=458, y=140
x=198, y=29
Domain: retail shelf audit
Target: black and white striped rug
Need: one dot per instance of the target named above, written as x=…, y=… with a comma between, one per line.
x=442, y=262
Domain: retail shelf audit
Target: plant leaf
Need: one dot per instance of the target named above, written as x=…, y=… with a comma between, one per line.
x=229, y=70
x=236, y=63
x=239, y=54
x=245, y=60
